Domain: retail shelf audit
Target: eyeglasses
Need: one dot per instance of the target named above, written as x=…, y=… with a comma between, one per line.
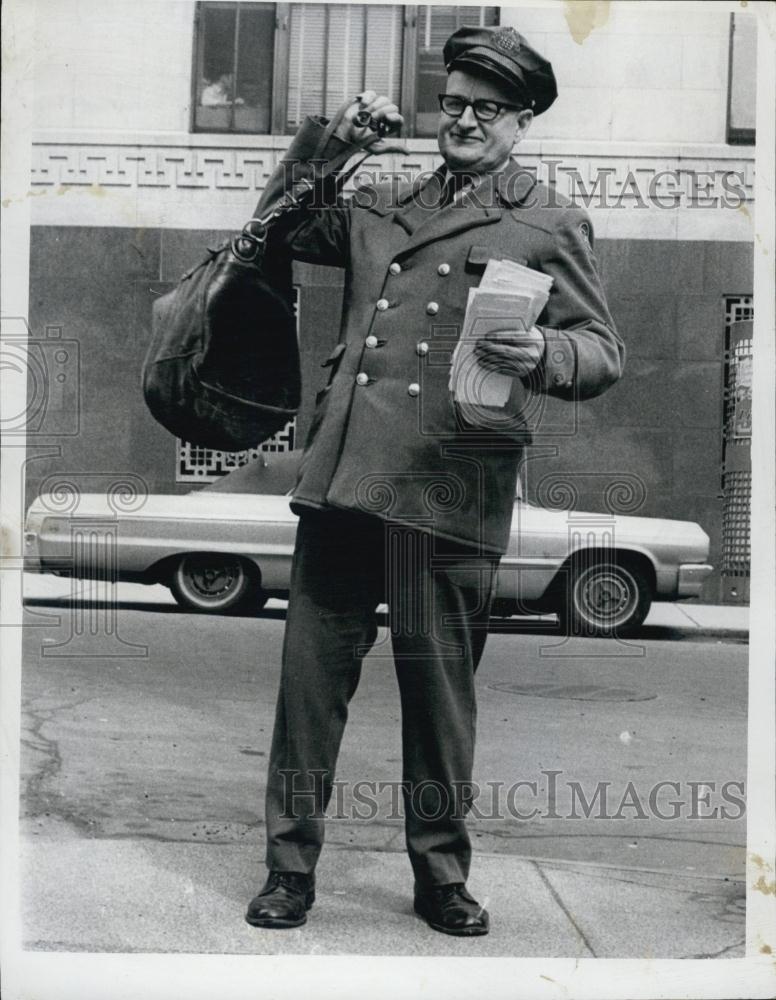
x=484, y=110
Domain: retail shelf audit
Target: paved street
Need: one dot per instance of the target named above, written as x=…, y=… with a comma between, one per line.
x=143, y=779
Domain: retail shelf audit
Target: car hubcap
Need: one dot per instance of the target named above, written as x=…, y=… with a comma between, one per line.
x=606, y=598
x=213, y=580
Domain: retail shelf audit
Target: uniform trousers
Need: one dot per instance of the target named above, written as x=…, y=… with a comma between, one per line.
x=439, y=595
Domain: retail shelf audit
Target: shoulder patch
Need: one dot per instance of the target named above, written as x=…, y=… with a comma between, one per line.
x=585, y=232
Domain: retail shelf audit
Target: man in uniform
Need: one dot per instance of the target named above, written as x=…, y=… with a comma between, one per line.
x=404, y=496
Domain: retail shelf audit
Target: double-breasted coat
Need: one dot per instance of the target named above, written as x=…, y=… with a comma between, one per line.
x=387, y=436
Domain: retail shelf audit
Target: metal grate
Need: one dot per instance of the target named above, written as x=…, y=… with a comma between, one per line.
x=737, y=433
x=738, y=371
x=205, y=465
x=737, y=308
x=736, y=539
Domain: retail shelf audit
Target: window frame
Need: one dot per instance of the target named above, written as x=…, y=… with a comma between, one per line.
x=735, y=136
x=197, y=67
x=281, y=59
x=409, y=70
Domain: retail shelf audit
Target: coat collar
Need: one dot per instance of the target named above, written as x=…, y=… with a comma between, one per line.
x=515, y=183
x=418, y=212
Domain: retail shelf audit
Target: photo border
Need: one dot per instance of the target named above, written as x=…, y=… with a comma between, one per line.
x=84, y=975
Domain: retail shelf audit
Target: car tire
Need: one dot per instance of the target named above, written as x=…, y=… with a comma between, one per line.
x=606, y=598
x=216, y=584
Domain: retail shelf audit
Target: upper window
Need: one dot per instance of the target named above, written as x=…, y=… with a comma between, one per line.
x=262, y=67
x=233, y=70
x=742, y=78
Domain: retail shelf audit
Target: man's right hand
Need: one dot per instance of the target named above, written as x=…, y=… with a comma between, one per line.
x=381, y=109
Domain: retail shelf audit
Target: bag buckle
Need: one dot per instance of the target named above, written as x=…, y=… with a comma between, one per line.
x=250, y=242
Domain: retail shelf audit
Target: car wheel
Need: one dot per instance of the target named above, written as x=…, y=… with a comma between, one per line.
x=218, y=584
x=605, y=598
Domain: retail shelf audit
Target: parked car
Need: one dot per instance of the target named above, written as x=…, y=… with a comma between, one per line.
x=227, y=548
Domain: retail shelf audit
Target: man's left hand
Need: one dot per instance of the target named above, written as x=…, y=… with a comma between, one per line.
x=511, y=352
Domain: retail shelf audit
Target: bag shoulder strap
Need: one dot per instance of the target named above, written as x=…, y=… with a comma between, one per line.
x=248, y=244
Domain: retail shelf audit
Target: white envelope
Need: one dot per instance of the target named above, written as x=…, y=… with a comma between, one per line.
x=509, y=297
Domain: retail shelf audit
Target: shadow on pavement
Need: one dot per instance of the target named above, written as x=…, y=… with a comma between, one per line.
x=498, y=626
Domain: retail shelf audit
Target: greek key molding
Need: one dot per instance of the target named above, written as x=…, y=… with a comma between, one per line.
x=678, y=192
x=152, y=167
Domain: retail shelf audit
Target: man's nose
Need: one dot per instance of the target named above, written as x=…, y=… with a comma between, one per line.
x=468, y=119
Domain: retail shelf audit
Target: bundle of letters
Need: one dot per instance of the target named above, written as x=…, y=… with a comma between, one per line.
x=509, y=298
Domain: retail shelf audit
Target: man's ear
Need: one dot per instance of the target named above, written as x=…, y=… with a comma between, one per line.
x=524, y=120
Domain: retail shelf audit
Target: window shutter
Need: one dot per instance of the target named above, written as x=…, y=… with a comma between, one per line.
x=306, y=61
x=383, y=50
x=338, y=50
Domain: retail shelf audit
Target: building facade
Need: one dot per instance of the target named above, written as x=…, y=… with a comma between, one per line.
x=157, y=125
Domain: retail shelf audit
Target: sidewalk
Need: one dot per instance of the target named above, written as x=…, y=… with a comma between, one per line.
x=140, y=895
x=704, y=618
x=125, y=893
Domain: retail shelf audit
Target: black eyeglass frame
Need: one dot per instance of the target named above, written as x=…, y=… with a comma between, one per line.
x=499, y=106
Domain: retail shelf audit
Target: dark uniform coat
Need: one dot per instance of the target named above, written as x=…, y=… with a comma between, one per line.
x=387, y=436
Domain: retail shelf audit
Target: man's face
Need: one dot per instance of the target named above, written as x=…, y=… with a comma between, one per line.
x=469, y=144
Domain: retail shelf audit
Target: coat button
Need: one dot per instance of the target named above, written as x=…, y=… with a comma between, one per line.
x=371, y=341
x=559, y=379
x=382, y=304
x=443, y=269
x=432, y=308
x=413, y=389
x=422, y=348
x=395, y=268
x=362, y=378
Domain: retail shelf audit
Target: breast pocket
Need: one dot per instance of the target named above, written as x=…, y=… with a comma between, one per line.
x=479, y=255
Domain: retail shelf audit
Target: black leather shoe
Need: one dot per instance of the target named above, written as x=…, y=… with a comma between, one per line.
x=283, y=902
x=451, y=910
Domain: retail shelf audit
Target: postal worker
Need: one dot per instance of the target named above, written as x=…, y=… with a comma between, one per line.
x=404, y=496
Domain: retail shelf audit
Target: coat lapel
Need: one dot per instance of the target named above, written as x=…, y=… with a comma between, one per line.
x=420, y=215
x=515, y=183
x=421, y=201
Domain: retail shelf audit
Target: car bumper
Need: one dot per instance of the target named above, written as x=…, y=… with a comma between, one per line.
x=690, y=579
x=31, y=554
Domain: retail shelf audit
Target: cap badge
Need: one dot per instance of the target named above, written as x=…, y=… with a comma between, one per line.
x=507, y=39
